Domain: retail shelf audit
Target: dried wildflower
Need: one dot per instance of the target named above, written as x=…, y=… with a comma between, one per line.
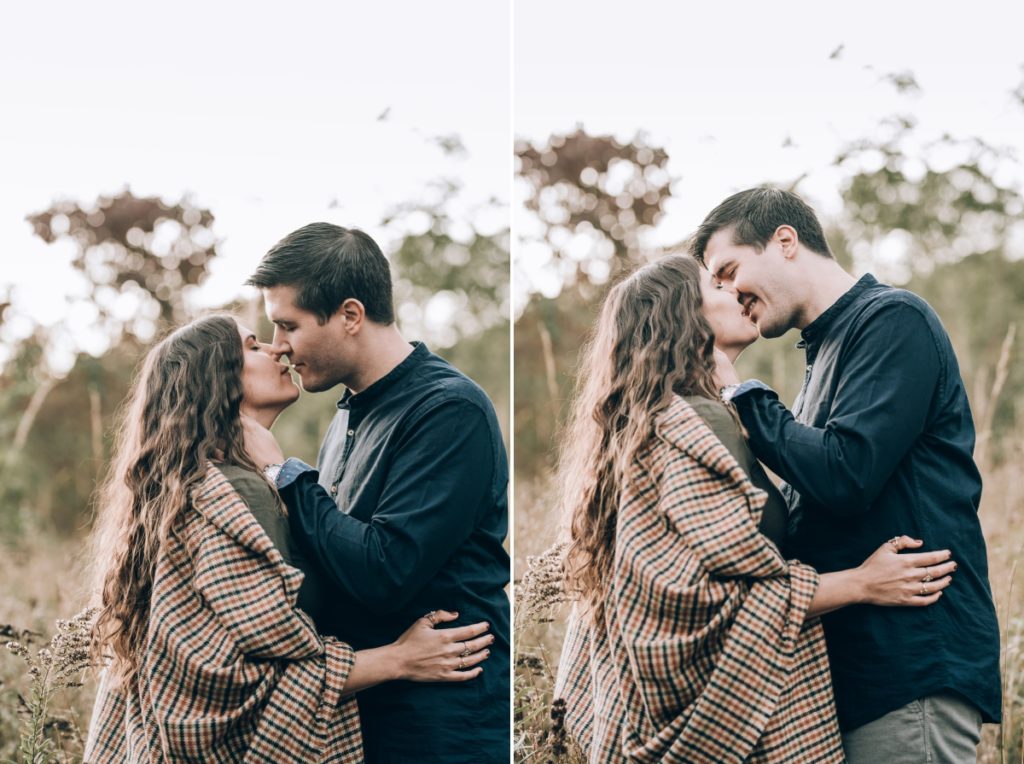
x=542, y=587
x=56, y=666
x=18, y=649
x=558, y=742
x=542, y=721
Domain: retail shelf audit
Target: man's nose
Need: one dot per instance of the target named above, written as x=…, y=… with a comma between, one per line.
x=273, y=351
x=277, y=348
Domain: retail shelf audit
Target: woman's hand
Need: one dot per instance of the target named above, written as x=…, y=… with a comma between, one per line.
x=893, y=579
x=260, y=444
x=427, y=654
x=725, y=372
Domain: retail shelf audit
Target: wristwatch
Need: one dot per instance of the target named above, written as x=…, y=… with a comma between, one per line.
x=727, y=392
x=271, y=471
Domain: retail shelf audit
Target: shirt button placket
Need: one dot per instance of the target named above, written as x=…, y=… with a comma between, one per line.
x=348, y=446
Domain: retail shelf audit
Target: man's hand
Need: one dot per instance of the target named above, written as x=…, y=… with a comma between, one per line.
x=725, y=373
x=260, y=443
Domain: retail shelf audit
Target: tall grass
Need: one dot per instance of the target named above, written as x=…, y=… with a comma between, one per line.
x=44, y=710
x=540, y=614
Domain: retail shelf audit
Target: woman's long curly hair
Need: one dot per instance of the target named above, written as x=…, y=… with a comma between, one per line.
x=651, y=342
x=183, y=412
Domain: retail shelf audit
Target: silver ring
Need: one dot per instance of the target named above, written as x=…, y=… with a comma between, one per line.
x=465, y=650
x=430, y=617
x=924, y=590
x=895, y=541
x=927, y=577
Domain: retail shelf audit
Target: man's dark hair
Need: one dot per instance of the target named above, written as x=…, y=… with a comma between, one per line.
x=755, y=215
x=326, y=265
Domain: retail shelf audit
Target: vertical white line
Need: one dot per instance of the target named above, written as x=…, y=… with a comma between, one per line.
x=511, y=375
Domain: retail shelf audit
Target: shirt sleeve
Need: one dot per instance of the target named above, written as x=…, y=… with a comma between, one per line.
x=881, y=405
x=440, y=474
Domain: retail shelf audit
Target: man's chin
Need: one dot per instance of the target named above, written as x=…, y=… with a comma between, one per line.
x=770, y=330
x=313, y=385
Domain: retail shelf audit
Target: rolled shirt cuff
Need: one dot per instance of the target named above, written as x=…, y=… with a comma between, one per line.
x=734, y=391
x=290, y=472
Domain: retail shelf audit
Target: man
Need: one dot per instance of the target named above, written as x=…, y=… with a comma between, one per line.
x=415, y=463
x=879, y=444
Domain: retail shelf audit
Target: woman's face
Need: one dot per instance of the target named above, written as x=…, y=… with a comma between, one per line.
x=266, y=384
x=725, y=314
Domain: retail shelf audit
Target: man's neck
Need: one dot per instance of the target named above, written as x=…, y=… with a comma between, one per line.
x=388, y=350
x=827, y=282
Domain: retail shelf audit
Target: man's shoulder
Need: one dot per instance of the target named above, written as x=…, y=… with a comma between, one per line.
x=885, y=302
x=444, y=384
x=885, y=296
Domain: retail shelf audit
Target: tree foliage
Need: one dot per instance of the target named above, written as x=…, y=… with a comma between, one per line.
x=936, y=217
x=142, y=248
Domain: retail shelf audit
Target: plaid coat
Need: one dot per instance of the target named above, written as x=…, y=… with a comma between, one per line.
x=704, y=655
x=232, y=671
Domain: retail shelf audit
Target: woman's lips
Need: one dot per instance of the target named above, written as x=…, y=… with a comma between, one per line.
x=749, y=306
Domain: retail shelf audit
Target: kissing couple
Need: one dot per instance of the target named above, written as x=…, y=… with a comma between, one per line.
x=847, y=616
x=254, y=608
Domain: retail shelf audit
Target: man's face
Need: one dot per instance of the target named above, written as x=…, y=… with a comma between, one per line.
x=758, y=279
x=732, y=329
x=317, y=352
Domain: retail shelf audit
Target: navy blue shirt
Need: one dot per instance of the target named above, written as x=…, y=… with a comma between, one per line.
x=406, y=514
x=879, y=444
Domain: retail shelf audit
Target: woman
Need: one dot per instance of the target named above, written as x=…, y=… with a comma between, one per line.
x=693, y=639
x=210, y=657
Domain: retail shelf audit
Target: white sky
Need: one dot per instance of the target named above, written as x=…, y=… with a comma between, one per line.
x=266, y=113
x=721, y=86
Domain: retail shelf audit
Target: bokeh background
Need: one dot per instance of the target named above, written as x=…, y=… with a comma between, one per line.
x=150, y=156
x=905, y=130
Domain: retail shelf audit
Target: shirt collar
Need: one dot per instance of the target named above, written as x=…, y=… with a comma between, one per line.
x=352, y=400
x=819, y=327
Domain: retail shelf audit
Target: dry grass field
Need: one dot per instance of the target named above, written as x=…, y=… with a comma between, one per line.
x=540, y=617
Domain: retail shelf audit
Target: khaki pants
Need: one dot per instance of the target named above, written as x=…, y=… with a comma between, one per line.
x=938, y=729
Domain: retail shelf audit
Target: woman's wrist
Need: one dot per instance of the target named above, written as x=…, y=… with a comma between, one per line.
x=383, y=664
x=857, y=585
x=394, y=656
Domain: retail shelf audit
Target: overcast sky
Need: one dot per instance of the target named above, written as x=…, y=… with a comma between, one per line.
x=267, y=113
x=723, y=86
x=270, y=117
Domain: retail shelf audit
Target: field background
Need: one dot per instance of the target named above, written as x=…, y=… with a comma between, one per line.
x=937, y=213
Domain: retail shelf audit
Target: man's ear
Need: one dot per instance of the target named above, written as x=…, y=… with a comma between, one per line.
x=352, y=314
x=787, y=239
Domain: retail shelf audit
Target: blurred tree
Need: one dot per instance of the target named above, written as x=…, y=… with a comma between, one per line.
x=939, y=220
x=139, y=257
x=452, y=287
x=936, y=217
x=595, y=197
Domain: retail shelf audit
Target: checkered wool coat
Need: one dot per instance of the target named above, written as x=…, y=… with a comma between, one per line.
x=232, y=670
x=704, y=655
